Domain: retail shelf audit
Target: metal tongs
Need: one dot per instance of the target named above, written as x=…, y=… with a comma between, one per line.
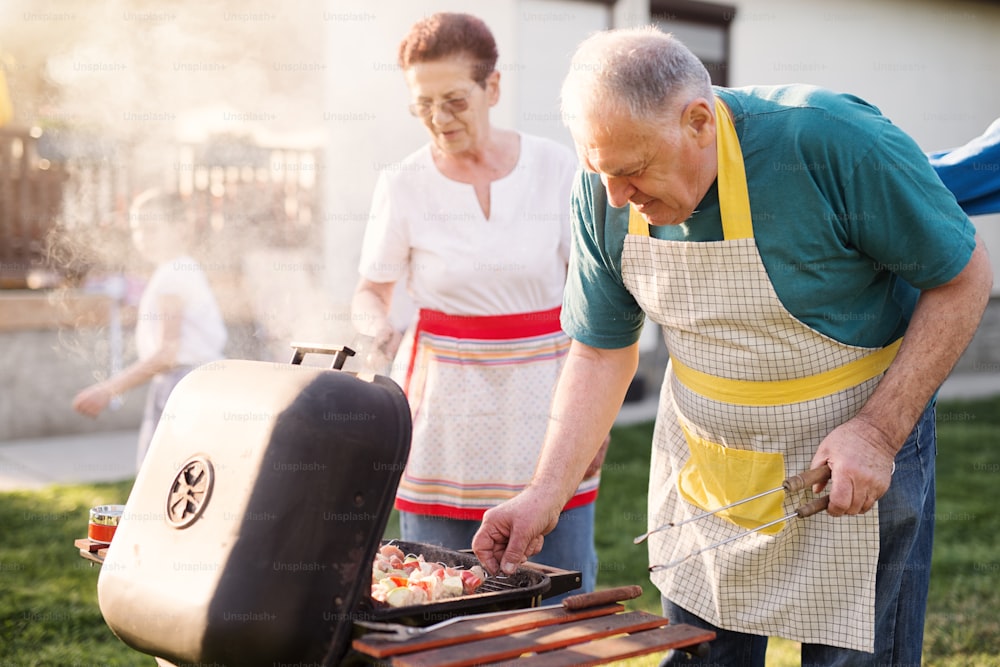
x=791, y=485
x=398, y=632
x=814, y=507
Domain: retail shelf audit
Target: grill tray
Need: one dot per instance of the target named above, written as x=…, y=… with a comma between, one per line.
x=523, y=589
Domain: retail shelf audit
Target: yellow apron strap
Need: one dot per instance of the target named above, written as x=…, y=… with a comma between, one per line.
x=734, y=198
x=783, y=392
x=637, y=225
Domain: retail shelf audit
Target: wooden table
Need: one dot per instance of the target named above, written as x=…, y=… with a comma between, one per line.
x=542, y=638
x=92, y=551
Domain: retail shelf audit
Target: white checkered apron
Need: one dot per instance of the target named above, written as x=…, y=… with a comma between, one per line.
x=814, y=580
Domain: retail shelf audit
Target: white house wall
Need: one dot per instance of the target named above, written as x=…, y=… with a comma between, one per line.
x=548, y=34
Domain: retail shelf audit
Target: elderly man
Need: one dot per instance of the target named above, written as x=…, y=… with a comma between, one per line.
x=815, y=283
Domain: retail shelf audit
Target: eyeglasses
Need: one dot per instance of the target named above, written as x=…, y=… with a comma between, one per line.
x=453, y=105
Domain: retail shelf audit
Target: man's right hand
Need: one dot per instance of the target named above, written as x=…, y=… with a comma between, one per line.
x=514, y=531
x=579, y=419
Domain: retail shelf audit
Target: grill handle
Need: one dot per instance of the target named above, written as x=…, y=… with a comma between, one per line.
x=561, y=581
x=340, y=352
x=806, y=479
x=597, y=598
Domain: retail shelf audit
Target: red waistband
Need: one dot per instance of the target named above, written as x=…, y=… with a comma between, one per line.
x=473, y=514
x=490, y=327
x=481, y=327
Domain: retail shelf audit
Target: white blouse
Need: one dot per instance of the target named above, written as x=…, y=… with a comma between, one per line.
x=431, y=231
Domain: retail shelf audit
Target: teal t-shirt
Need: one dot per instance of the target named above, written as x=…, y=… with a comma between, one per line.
x=850, y=220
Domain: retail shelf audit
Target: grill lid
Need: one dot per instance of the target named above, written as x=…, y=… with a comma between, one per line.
x=247, y=537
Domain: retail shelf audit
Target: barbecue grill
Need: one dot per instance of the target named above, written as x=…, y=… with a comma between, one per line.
x=249, y=535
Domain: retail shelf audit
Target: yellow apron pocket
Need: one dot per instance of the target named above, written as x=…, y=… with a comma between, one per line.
x=715, y=476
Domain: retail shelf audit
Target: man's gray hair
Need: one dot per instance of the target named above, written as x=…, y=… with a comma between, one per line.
x=635, y=71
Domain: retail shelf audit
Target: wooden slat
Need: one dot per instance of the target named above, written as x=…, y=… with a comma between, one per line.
x=93, y=551
x=622, y=647
x=532, y=641
x=86, y=544
x=473, y=630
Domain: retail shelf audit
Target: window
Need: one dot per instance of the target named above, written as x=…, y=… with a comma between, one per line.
x=703, y=27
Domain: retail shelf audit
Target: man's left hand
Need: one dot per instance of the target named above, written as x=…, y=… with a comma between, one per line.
x=861, y=463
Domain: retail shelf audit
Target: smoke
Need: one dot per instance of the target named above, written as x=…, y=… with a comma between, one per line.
x=145, y=70
x=219, y=100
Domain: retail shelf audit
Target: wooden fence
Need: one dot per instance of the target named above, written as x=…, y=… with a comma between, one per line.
x=55, y=186
x=30, y=197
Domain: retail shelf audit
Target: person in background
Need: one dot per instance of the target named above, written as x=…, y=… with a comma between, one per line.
x=477, y=223
x=178, y=323
x=972, y=171
x=815, y=283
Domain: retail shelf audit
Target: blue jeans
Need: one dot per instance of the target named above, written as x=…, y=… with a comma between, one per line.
x=570, y=546
x=906, y=537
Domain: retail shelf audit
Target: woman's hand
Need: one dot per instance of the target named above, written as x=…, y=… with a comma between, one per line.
x=383, y=348
x=370, y=314
x=93, y=400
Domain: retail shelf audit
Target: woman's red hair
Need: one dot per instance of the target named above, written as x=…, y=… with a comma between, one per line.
x=448, y=35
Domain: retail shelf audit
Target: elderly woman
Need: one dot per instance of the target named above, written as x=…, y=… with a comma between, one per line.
x=477, y=222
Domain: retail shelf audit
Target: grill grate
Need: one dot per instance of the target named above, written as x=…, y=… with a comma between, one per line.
x=494, y=584
x=520, y=590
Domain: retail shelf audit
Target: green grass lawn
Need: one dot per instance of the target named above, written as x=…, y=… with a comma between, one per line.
x=49, y=614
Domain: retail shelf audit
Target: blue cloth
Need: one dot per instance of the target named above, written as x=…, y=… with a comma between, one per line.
x=849, y=218
x=906, y=538
x=972, y=171
x=570, y=546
